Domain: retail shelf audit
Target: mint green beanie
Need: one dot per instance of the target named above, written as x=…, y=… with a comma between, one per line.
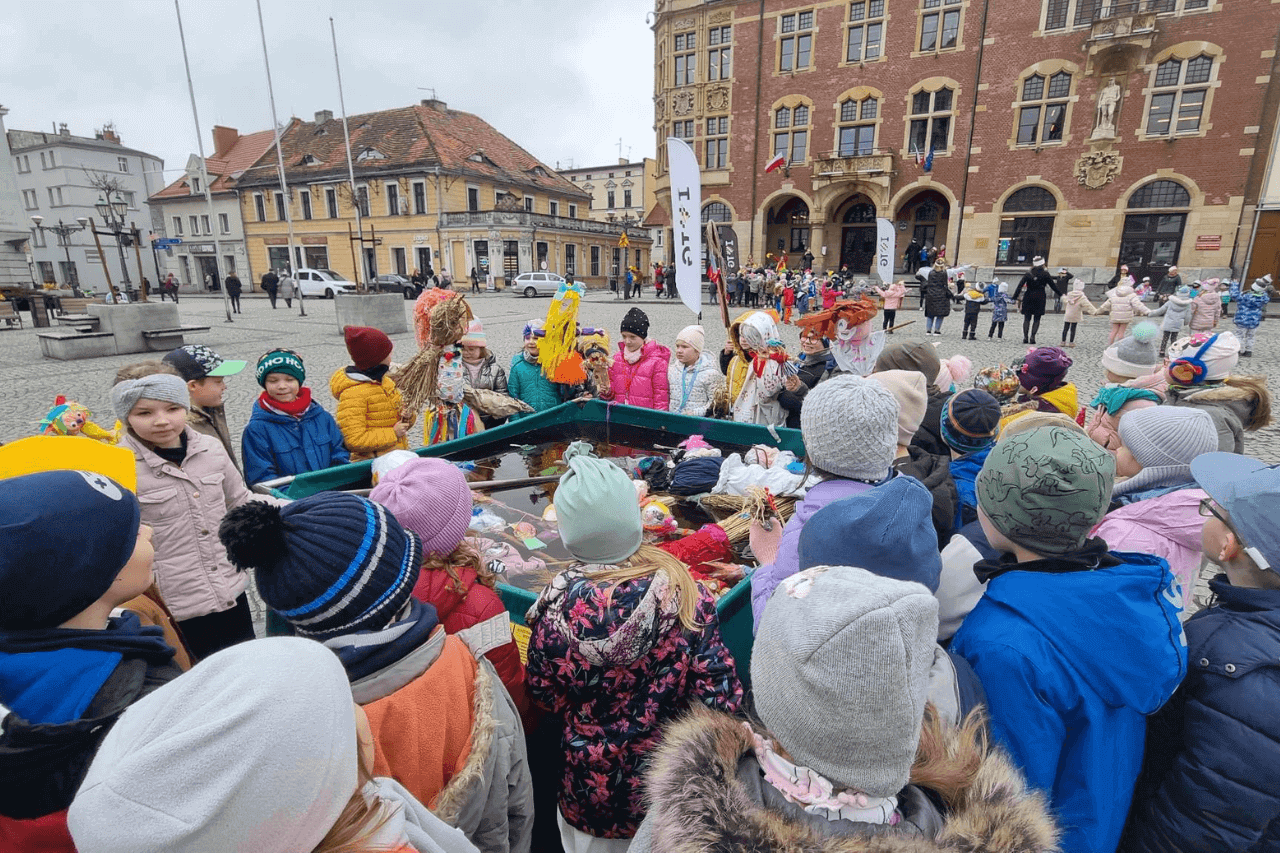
x=597, y=509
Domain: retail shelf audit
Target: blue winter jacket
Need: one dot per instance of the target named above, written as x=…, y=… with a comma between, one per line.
x=1249, y=306
x=1213, y=753
x=276, y=445
x=964, y=471
x=1073, y=657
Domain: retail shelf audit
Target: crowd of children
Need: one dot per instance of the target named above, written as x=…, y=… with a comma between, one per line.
x=931, y=668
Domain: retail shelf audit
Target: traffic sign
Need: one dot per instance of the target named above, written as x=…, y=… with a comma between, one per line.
x=165, y=242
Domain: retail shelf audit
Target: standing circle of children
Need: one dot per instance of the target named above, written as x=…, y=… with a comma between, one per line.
x=876, y=599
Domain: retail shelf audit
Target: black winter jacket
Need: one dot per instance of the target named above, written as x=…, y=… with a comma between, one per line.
x=937, y=294
x=1211, y=773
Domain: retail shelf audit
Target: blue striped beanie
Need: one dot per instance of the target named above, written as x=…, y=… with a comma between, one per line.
x=330, y=564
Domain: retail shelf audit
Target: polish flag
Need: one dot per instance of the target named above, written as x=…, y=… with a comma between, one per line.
x=778, y=161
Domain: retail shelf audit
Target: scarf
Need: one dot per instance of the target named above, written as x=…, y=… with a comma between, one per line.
x=761, y=360
x=175, y=455
x=631, y=357
x=295, y=409
x=1111, y=398
x=815, y=794
x=367, y=652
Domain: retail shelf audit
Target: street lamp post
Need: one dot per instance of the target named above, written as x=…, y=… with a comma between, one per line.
x=64, y=233
x=113, y=209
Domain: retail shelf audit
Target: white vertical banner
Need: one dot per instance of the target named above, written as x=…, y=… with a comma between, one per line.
x=884, y=249
x=686, y=221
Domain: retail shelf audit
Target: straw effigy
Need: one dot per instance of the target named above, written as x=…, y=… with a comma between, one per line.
x=417, y=379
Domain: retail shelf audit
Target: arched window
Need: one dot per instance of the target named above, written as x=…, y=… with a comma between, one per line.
x=931, y=120
x=1042, y=115
x=791, y=133
x=1180, y=89
x=716, y=211
x=1161, y=194
x=1152, y=241
x=860, y=214
x=858, y=127
x=1026, y=226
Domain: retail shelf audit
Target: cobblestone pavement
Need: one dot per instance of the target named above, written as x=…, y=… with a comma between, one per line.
x=31, y=382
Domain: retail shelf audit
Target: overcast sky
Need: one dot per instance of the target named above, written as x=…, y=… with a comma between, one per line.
x=563, y=78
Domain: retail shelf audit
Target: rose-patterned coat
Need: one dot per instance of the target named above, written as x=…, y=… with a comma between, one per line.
x=612, y=660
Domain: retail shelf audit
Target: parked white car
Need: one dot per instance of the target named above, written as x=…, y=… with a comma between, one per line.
x=325, y=283
x=536, y=284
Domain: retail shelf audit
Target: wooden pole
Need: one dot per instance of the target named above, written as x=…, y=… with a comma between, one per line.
x=115, y=294
x=137, y=254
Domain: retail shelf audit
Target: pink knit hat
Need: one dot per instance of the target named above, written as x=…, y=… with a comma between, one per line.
x=429, y=497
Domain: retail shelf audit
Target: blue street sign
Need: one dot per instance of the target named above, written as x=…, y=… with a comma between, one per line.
x=165, y=242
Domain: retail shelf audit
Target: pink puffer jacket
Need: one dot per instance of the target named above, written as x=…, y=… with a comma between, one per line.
x=184, y=506
x=893, y=295
x=1205, y=310
x=1124, y=304
x=1167, y=526
x=645, y=382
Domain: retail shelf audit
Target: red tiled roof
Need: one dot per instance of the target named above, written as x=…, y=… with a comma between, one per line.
x=247, y=151
x=416, y=137
x=657, y=217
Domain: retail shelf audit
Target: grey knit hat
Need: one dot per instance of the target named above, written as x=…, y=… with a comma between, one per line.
x=841, y=671
x=850, y=428
x=1045, y=488
x=1164, y=440
x=164, y=387
x=1136, y=354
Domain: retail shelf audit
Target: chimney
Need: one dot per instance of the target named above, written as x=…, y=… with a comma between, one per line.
x=224, y=139
x=109, y=134
x=62, y=130
x=435, y=104
x=323, y=115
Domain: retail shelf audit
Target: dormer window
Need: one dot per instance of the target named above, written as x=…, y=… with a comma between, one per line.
x=320, y=131
x=309, y=160
x=371, y=154
x=538, y=171
x=195, y=186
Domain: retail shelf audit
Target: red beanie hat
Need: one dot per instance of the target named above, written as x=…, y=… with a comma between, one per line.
x=367, y=346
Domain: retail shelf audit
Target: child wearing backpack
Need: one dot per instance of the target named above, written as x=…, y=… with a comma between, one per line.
x=623, y=641
x=288, y=432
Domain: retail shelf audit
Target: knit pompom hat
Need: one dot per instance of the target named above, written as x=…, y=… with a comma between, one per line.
x=1164, y=440
x=636, y=322
x=367, y=346
x=850, y=428
x=1044, y=368
x=331, y=564
x=429, y=497
x=475, y=336
x=1137, y=354
x=840, y=674
x=970, y=421
x=283, y=361
x=909, y=389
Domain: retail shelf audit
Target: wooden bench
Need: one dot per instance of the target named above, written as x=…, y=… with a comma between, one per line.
x=75, y=304
x=9, y=315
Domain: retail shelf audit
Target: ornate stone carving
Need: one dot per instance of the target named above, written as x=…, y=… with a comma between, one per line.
x=682, y=103
x=683, y=23
x=660, y=108
x=720, y=17
x=718, y=99
x=1097, y=169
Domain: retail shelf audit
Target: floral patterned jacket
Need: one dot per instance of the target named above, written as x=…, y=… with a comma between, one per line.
x=612, y=660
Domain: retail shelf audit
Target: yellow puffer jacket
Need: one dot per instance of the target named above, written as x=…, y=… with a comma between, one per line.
x=367, y=414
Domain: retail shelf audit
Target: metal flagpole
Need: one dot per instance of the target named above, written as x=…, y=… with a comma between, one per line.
x=351, y=169
x=204, y=173
x=284, y=186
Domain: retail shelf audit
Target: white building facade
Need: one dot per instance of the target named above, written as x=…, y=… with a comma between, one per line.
x=14, y=226
x=56, y=174
x=619, y=194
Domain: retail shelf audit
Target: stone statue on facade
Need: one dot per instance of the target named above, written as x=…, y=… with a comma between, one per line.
x=1108, y=106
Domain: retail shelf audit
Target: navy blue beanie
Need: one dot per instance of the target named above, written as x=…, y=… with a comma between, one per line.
x=329, y=564
x=887, y=530
x=970, y=421
x=64, y=537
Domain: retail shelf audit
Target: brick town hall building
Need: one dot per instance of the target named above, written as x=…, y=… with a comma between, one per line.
x=1092, y=132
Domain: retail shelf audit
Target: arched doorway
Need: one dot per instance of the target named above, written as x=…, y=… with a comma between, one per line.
x=927, y=215
x=858, y=235
x=1026, y=226
x=787, y=228
x=1152, y=236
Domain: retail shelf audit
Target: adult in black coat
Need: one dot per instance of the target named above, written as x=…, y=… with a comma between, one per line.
x=1209, y=779
x=271, y=284
x=233, y=290
x=1036, y=281
x=911, y=257
x=669, y=281
x=938, y=296
x=1169, y=284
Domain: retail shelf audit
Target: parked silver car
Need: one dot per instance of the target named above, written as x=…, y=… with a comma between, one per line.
x=536, y=284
